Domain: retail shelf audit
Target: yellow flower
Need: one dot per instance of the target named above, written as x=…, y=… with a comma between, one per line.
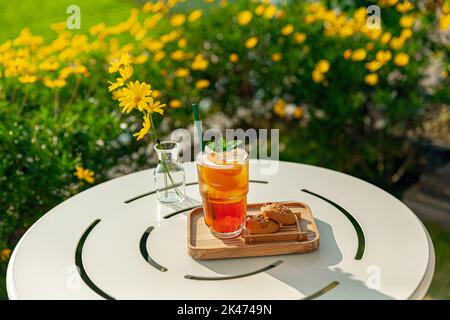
x=359, y=54
x=135, y=95
x=153, y=20
x=159, y=56
x=125, y=59
x=27, y=78
x=404, y=6
x=126, y=72
x=281, y=14
x=115, y=64
x=407, y=21
x=5, y=254
x=49, y=65
x=153, y=45
x=84, y=174
x=114, y=85
x=202, y=84
x=298, y=112
x=276, y=57
x=270, y=12
x=287, y=29
x=317, y=76
x=299, y=37
x=56, y=83
x=157, y=6
x=169, y=37
x=406, y=34
x=96, y=29
x=178, y=55
x=146, y=125
x=371, y=79
x=444, y=22
x=385, y=37
x=195, y=15
x=374, y=34
x=147, y=7
x=360, y=15
x=199, y=63
x=58, y=27
x=279, y=108
x=388, y=3
x=140, y=59
x=347, y=54
x=397, y=43
x=245, y=17
x=401, y=59
x=181, y=73
x=175, y=103
x=309, y=19
x=369, y=46
x=76, y=69
x=116, y=94
x=259, y=10
x=26, y=38
x=373, y=65
x=234, y=58
x=323, y=66
x=383, y=56
x=182, y=42
x=156, y=94
x=346, y=31
x=155, y=107
x=177, y=20
x=251, y=42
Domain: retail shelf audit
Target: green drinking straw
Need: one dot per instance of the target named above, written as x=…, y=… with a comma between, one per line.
x=198, y=125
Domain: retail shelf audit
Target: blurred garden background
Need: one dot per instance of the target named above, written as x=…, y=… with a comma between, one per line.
x=370, y=102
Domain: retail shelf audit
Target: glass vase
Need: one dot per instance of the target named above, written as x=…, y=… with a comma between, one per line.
x=169, y=174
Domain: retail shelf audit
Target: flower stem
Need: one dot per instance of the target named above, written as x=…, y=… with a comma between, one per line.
x=24, y=100
x=154, y=129
x=74, y=91
x=163, y=161
x=56, y=105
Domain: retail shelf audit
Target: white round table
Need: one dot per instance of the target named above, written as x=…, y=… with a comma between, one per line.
x=116, y=241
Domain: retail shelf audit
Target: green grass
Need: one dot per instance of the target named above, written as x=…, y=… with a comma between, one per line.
x=440, y=287
x=38, y=15
x=3, y=295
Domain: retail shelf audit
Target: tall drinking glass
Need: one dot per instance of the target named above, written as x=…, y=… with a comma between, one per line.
x=223, y=183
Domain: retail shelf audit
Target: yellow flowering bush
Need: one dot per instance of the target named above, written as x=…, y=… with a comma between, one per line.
x=344, y=95
x=320, y=74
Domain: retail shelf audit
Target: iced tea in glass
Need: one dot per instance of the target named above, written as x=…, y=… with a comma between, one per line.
x=223, y=183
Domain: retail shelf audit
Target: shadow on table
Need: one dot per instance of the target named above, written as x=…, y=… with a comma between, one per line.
x=182, y=207
x=311, y=270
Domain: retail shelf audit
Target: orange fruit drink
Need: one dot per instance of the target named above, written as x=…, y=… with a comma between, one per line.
x=223, y=183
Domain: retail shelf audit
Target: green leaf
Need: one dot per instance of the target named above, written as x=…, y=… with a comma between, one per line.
x=231, y=145
x=222, y=145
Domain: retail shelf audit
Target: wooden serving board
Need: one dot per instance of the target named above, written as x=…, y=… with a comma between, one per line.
x=202, y=244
